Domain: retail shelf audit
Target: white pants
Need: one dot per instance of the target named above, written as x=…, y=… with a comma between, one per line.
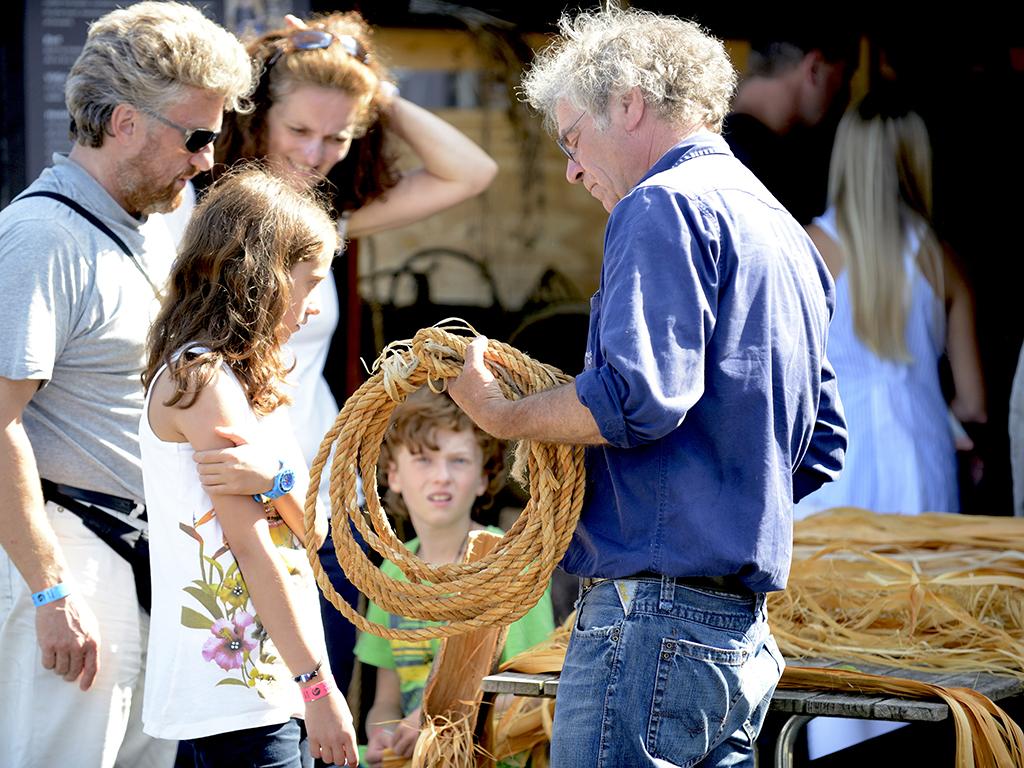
x=47, y=721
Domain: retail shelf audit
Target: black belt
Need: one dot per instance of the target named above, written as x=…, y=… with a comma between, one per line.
x=116, y=503
x=113, y=520
x=730, y=584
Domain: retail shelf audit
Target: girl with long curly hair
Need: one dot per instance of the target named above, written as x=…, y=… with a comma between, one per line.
x=236, y=647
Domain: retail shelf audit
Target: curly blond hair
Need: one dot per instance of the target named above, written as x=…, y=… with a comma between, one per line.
x=683, y=72
x=145, y=55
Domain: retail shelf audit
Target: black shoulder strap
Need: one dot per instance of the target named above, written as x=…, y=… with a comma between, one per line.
x=85, y=214
x=96, y=222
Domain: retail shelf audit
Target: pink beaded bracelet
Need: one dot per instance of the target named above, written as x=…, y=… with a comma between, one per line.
x=318, y=690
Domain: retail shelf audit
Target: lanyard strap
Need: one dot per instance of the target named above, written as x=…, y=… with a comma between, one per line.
x=96, y=222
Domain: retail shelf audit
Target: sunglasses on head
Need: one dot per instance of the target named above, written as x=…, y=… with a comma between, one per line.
x=314, y=40
x=196, y=139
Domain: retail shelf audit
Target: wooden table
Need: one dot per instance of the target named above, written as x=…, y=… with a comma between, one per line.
x=802, y=705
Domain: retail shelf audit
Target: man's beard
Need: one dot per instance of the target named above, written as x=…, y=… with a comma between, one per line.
x=140, y=192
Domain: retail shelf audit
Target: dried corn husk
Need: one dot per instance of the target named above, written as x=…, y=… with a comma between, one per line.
x=451, y=700
x=524, y=725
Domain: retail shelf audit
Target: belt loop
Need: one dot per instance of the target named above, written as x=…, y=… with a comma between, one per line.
x=668, y=593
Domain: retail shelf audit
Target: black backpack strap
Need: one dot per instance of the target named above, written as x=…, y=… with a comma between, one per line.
x=89, y=216
x=85, y=214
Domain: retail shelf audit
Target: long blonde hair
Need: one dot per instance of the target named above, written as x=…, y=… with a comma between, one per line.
x=880, y=184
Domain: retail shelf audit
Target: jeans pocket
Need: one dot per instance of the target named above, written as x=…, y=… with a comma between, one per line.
x=695, y=688
x=599, y=612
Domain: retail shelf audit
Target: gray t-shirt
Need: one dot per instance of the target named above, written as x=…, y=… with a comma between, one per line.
x=74, y=313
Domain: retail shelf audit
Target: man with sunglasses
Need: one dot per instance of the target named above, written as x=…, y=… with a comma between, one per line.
x=82, y=263
x=707, y=402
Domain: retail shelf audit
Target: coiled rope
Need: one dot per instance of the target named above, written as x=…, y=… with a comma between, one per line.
x=502, y=586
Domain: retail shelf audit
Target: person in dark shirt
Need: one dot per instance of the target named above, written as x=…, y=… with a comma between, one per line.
x=706, y=402
x=785, y=113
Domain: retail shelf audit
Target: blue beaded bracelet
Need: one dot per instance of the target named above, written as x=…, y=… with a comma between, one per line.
x=56, y=592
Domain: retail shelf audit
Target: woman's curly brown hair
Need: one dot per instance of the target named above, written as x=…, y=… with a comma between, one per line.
x=230, y=286
x=414, y=424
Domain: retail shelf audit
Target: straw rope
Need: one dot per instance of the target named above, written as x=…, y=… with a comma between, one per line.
x=503, y=586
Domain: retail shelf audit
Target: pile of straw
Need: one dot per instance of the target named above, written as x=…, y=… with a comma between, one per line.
x=932, y=592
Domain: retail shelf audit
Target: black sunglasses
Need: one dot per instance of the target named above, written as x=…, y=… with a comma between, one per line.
x=314, y=40
x=196, y=139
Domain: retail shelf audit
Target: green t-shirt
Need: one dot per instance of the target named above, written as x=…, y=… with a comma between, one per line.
x=412, y=659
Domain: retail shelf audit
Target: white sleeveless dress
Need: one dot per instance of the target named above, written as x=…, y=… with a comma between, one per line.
x=901, y=456
x=212, y=666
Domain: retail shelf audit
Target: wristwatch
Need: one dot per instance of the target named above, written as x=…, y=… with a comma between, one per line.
x=284, y=481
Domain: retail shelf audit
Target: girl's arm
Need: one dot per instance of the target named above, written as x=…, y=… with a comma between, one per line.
x=246, y=467
x=962, y=344
x=829, y=249
x=328, y=721
x=454, y=169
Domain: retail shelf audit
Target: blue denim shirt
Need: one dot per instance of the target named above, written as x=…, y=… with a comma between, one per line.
x=706, y=373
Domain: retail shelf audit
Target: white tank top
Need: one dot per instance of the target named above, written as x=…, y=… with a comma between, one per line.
x=211, y=668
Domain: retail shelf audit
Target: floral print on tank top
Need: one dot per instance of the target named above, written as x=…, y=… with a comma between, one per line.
x=236, y=640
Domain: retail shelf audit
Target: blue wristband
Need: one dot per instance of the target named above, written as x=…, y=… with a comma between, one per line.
x=56, y=592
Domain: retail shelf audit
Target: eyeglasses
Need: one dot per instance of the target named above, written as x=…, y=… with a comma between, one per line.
x=561, y=139
x=196, y=139
x=315, y=40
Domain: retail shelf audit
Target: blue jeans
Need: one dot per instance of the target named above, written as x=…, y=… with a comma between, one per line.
x=664, y=675
x=268, y=746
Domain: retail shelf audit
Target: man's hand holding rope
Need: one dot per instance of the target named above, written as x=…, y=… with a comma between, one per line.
x=553, y=416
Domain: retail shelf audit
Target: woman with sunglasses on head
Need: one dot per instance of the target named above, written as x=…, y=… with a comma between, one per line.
x=324, y=108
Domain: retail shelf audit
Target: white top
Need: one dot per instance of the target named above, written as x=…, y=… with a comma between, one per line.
x=314, y=408
x=901, y=457
x=212, y=668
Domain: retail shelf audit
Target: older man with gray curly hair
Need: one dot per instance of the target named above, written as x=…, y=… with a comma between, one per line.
x=707, y=403
x=82, y=264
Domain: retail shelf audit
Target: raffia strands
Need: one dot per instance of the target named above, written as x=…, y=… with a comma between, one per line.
x=442, y=743
x=524, y=725
x=986, y=737
x=445, y=744
x=498, y=589
x=932, y=592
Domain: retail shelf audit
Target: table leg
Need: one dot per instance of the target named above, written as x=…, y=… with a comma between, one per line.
x=785, y=745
